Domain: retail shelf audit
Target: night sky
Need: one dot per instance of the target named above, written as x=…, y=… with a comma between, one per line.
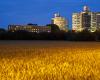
x=40, y=11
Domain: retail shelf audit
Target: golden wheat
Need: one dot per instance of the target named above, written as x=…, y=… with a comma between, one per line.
x=71, y=62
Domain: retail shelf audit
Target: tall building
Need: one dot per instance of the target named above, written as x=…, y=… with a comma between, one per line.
x=93, y=27
x=98, y=20
x=29, y=28
x=86, y=20
x=81, y=21
x=76, y=20
x=60, y=22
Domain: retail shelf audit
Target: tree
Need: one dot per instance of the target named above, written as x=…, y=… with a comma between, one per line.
x=2, y=30
x=54, y=27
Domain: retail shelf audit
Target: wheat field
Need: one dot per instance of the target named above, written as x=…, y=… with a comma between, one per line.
x=49, y=60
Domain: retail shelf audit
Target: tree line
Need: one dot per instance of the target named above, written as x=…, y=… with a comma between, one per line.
x=61, y=35
x=55, y=34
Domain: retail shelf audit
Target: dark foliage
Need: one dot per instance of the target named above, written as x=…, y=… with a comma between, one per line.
x=54, y=27
x=58, y=35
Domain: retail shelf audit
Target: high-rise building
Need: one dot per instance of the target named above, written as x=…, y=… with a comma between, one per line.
x=61, y=22
x=93, y=27
x=98, y=20
x=86, y=20
x=76, y=22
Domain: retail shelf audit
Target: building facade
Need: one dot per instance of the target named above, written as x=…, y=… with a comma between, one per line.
x=76, y=22
x=86, y=20
x=81, y=21
x=61, y=22
x=29, y=28
x=93, y=27
x=98, y=20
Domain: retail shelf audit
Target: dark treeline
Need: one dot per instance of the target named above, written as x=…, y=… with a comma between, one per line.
x=59, y=35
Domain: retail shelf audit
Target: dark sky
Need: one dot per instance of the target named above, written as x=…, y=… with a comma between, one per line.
x=40, y=11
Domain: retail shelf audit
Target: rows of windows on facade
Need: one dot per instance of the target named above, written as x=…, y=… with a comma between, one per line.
x=86, y=20
x=58, y=20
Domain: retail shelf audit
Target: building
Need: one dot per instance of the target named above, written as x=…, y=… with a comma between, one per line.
x=98, y=20
x=81, y=21
x=86, y=20
x=29, y=28
x=76, y=22
x=95, y=21
x=93, y=27
x=60, y=22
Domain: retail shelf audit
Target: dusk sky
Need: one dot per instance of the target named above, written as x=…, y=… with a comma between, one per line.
x=41, y=11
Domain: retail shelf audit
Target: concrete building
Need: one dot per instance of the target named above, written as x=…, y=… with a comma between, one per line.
x=85, y=20
x=76, y=22
x=29, y=28
x=61, y=22
x=98, y=20
x=95, y=21
x=93, y=27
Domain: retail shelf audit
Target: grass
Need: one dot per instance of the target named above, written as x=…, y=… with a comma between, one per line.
x=52, y=61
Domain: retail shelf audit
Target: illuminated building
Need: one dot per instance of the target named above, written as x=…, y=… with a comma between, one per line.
x=85, y=20
x=60, y=22
x=93, y=22
x=76, y=22
x=98, y=20
x=29, y=28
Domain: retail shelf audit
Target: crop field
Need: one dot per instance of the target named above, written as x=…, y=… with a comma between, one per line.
x=49, y=60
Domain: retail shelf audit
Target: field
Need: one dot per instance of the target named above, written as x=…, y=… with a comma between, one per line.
x=36, y=60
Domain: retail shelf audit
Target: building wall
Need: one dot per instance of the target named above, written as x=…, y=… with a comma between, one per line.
x=98, y=20
x=29, y=28
x=86, y=20
x=60, y=22
x=76, y=22
x=93, y=22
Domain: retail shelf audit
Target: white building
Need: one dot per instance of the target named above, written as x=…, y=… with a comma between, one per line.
x=86, y=20
x=95, y=21
x=29, y=28
x=76, y=22
x=60, y=22
x=98, y=20
x=93, y=27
